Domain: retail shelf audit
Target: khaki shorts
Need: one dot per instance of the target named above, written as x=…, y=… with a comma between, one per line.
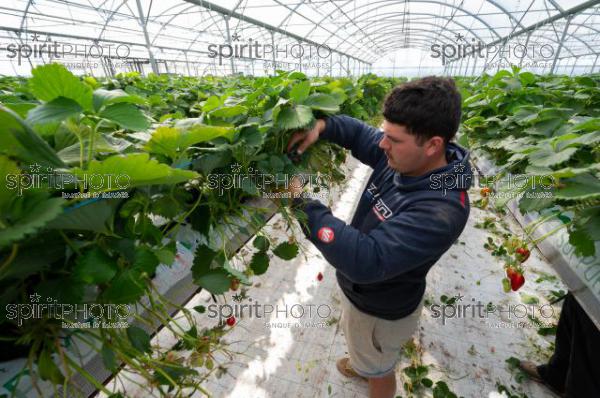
x=375, y=344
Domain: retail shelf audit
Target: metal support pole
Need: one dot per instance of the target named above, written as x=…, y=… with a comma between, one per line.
x=146, y=37
x=594, y=65
x=273, y=50
x=348, y=65
x=573, y=68
x=227, y=32
x=467, y=66
x=187, y=64
x=560, y=45
x=474, y=65
x=526, y=43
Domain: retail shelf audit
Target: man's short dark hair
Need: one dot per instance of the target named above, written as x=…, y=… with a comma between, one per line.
x=427, y=107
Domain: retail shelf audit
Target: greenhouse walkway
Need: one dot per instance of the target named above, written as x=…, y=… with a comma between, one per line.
x=289, y=356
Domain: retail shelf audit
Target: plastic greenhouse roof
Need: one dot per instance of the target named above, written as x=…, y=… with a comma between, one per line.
x=362, y=31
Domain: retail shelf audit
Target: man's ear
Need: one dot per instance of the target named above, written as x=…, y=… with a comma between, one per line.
x=435, y=145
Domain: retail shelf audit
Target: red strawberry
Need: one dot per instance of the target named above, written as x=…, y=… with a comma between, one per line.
x=485, y=191
x=510, y=272
x=517, y=281
x=231, y=321
x=319, y=277
x=522, y=254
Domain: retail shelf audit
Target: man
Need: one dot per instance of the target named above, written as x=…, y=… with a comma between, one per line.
x=573, y=370
x=413, y=209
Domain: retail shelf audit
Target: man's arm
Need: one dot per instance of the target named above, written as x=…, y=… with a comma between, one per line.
x=398, y=245
x=360, y=138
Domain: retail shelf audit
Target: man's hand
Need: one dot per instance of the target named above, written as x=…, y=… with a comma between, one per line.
x=295, y=187
x=306, y=138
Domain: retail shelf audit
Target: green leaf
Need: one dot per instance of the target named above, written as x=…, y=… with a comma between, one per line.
x=125, y=288
x=103, y=97
x=54, y=80
x=300, y=91
x=213, y=160
x=37, y=214
x=200, y=219
x=545, y=156
x=581, y=187
x=95, y=267
x=427, y=382
x=126, y=115
x=229, y=111
x=286, y=250
x=588, y=125
x=23, y=142
x=259, y=263
x=140, y=340
x=296, y=117
x=172, y=141
x=322, y=102
x=203, y=258
x=581, y=241
x=48, y=369
x=200, y=132
x=211, y=103
x=109, y=359
x=95, y=217
x=132, y=170
x=215, y=281
x=8, y=172
x=57, y=110
x=529, y=299
x=261, y=243
x=145, y=261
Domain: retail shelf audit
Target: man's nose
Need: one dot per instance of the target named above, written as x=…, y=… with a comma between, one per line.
x=383, y=143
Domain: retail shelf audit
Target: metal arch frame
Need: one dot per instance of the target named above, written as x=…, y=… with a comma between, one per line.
x=388, y=3
x=223, y=11
x=110, y=17
x=468, y=13
x=572, y=11
x=342, y=8
x=428, y=14
x=164, y=24
x=307, y=39
x=399, y=30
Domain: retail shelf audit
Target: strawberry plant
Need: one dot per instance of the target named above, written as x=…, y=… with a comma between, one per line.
x=101, y=176
x=547, y=128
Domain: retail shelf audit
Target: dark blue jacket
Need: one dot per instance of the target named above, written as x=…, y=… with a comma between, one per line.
x=401, y=227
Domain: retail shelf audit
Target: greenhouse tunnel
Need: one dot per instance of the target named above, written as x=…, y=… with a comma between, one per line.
x=310, y=198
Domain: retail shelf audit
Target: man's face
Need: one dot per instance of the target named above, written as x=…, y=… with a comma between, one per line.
x=402, y=150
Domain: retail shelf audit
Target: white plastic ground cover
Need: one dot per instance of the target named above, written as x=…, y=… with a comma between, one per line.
x=281, y=355
x=581, y=275
x=174, y=282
